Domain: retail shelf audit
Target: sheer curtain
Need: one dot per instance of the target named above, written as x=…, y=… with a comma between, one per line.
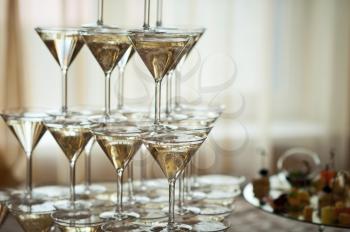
x=281, y=67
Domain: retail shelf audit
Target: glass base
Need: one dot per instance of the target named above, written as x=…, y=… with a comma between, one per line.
x=210, y=226
x=88, y=190
x=119, y=216
x=195, y=196
x=148, y=214
x=111, y=119
x=185, y=210
x=136, y=199
x=124, y=226
x=176, y=227
x=73, y=206
x=214, y=210
x=175, y=117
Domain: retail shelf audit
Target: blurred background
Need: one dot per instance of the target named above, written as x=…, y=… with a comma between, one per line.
x=281, y=67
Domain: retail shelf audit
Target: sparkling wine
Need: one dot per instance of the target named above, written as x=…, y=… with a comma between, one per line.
x=35, y=222
x=27, y=130
x=172, y=153
x=72, y=138
x=64, y=45
x=120, y=149
x=108, y=49
x=159, y=54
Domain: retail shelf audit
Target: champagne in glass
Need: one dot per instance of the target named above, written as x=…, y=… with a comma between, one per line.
x=160, y=52
x=71, y=134
x=108, y=46
x=201, y=130
x=172, y=151
x=196, y=35
x=28, y=128
x=64, y=45
x=119, y=143
x=33, y=217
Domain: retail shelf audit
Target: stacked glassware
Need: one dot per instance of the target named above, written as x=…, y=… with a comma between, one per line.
x=172, y=139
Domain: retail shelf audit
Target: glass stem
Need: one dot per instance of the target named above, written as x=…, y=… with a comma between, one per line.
x=181, y=192
x=177, y=89
x=119, y=208
x=147, y=9
x=131, y=182
x=72, y=182
x=121, y=89
x=195, y=172
x=108, y=94
x=171, y=219
x=100, y=13
x=189, y=173
x=88, y=148
x=157, y=97
x=169, y=93
x=143, y=171
x=29, y=184
x=64, y=91
x=159, y=22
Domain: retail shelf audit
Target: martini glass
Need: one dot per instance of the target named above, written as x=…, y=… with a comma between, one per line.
x=64, y=45
x=196, y=34
x=172, y=151
x=71, y=134
x=160, y=52
x=108, y=46
x=202, y=131
x=33, y=217
x=28, y=127
x=88, y=188
x=120, y=144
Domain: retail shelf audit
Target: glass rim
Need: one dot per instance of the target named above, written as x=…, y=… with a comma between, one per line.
x=112, y=130
x=57, y=29
x=151, y=138
x=189, y=127
x=72, y=123
x=153, y=32
x=30, y=114
x=103, y=30
x=183, y=28
x=75, y=222
x=15, y=208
